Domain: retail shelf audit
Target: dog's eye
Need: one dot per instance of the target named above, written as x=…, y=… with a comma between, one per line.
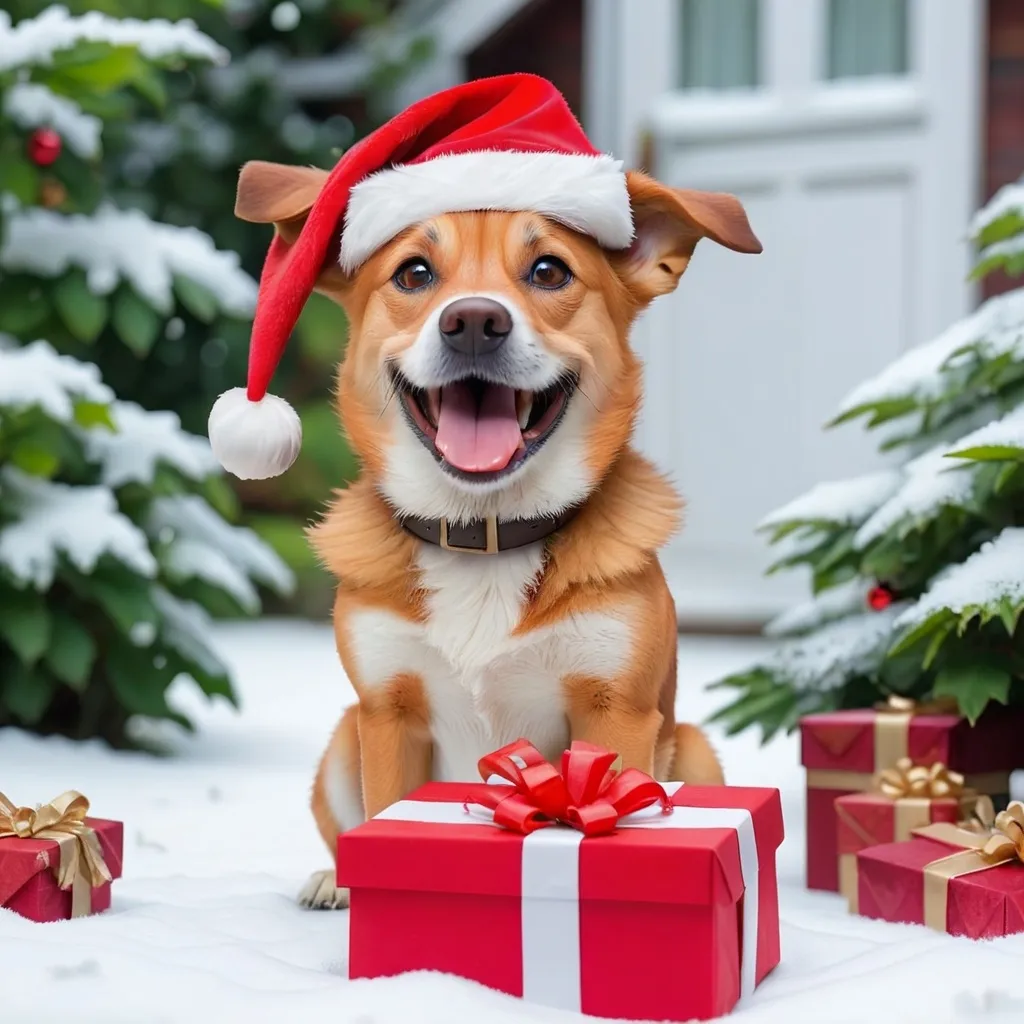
x=549, y=272
x=412, y=275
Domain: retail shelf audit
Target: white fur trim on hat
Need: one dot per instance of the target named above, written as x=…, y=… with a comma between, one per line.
x=254, y=440
x=586, y=193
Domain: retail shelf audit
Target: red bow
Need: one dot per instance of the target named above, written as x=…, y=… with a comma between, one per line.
x=588, y=793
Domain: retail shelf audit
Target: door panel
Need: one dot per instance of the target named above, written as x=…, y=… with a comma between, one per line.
x=860, y=191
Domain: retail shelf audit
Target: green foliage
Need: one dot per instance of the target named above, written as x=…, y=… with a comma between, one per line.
x=173, y=144
x=944, y=534
x=106, y=586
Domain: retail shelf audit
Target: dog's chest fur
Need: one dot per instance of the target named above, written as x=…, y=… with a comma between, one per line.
x=485, y=686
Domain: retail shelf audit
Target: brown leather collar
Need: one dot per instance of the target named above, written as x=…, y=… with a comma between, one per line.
x=485, y=536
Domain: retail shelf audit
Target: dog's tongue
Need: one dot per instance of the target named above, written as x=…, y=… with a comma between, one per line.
x=478, y=438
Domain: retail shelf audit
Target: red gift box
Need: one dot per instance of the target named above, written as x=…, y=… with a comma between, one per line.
x=871, y=819
x=938, y=878
x=670, y=917
x=30, y=867
x=844, y=750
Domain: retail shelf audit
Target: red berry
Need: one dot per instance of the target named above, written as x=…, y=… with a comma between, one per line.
x=44, y=146
x=879, y=598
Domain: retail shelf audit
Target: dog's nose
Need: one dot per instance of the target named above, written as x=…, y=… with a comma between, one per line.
x=475, y=326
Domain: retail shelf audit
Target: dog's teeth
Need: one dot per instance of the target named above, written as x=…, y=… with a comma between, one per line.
x=434, y=404
x=524, y=401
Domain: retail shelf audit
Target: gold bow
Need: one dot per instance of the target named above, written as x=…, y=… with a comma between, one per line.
x=1006, y=841
x=897, y=705
x=81, y=866
x=906, y=780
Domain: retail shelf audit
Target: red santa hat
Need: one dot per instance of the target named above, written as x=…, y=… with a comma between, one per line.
x=506, y=143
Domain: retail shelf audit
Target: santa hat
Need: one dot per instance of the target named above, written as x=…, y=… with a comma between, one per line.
x=506, y=143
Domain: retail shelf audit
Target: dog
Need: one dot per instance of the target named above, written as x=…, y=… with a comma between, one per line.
x=488, y=379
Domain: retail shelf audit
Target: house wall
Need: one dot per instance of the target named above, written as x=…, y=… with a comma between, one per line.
x=1004, y=142
x=544, y=38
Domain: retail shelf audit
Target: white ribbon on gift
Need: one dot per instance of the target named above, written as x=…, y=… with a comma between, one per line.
x=550, y=888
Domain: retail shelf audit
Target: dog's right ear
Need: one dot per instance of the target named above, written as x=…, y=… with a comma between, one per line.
x=277, y=194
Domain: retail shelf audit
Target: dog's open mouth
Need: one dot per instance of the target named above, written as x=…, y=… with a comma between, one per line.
x=480, y=431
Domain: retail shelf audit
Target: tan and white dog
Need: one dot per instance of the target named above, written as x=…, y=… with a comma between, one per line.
x=489, y=387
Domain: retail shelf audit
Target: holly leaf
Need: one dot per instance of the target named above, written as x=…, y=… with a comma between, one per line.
x=34, y=459
x=989, y=453
x=20, y=313
x=83, y=313
x=20, y=179
x=25, y=624
x=71, y=652
x=93, y=414
x=197, y=299
x=26, y=694
x=973, y=686
x=137, y=323
x=128, y=604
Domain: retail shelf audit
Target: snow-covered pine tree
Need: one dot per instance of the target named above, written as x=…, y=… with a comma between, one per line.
x=917, y=570
x=114, y=552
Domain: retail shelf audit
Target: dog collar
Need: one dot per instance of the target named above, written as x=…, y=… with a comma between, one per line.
x=485, y=536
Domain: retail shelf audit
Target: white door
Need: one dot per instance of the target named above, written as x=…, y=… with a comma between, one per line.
x=849, y=128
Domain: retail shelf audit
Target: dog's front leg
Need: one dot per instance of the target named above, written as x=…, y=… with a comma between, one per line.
x=608, y=715
x=395, y=747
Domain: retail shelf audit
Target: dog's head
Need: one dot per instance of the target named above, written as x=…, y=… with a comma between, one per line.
x=488, y=368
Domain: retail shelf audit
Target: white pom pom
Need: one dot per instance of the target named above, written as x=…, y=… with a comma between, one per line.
x=254, y=440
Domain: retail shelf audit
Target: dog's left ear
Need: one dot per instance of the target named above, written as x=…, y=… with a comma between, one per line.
x=277, y=194
x=669, y=222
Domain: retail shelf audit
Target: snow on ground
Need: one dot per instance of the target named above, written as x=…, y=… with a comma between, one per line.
x=204, y=926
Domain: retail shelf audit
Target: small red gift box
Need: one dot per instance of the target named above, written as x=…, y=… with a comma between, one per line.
x=871, y=819
x=54, y=861
x=668, y=917
x=844, y=750
x=942, y=878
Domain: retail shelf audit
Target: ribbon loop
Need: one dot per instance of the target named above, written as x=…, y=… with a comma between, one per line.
x=589, y=794
x=906, y=779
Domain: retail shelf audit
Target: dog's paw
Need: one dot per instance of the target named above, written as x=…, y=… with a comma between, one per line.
x=320, y=893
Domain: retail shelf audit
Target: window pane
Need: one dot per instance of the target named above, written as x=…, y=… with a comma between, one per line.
x=719, y=44
x=867, y=37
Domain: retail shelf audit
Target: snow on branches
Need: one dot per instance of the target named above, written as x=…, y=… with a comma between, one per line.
x=922, y=374
x=837, y=502
x=115, y=245
x=836, y=652
x=834, y=603
x=54, y=520
x=930, y=482
x=37, y=376
x=142, y=441
x=35, y=41
x=32, y=105
x=993, y=574
x=198, y=545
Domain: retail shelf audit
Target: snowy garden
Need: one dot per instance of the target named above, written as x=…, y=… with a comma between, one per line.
x=138, y=667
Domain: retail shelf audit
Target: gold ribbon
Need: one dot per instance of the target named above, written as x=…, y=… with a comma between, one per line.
x=80, y=866
x=982, y=849
x=892, y=725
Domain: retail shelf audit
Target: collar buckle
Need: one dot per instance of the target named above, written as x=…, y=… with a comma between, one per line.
x=491, y=545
